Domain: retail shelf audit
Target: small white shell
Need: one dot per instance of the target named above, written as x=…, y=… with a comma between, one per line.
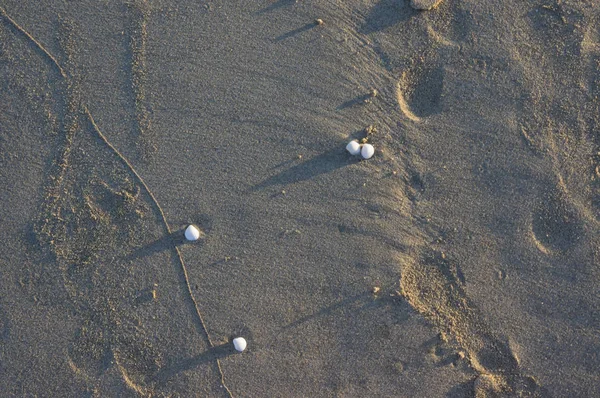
x=192, y=233
x=239, y=343
x=367, y=151
x=353, y=147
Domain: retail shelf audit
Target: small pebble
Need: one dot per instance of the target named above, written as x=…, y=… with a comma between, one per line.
x=239, y=343
x=353, y=147
x=367, y=151
x=192, y=233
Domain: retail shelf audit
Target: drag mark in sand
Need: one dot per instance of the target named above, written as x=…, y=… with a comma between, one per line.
x=137, y=60
x=13, y=24
x=54, y=226
x=70, y=124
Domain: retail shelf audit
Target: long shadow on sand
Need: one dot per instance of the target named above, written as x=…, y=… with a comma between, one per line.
x=275, y=6
x=213, y=353
x=164, y=244
x=295, y=32
x=359, y=100
x=324, y=163
x=360, y=302
x=385, y=14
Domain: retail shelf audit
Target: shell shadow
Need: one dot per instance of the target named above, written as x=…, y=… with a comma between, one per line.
x=208, y=356
x=295, y=32
x=275, y=6
x=356, y=101
x=321, y=164
x=166, y=243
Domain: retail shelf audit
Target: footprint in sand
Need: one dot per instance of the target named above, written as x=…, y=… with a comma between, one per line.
x=419, y=91
x=432, y=284
x=420, y=87
x=590, y=49
x=569, y=39
x=555, y=225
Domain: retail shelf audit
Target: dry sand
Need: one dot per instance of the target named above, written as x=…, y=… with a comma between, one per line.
x=460, y=261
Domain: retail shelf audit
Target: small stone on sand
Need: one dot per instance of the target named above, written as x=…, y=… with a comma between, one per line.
x=239, y=343
x=192, y=233
x=353, y=147
x=424, y=5
x=367, y=151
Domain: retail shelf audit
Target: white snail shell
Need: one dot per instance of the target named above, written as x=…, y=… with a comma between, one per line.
x=353, y=147
x=192, y=233
x=367, y=151
x=239, y=343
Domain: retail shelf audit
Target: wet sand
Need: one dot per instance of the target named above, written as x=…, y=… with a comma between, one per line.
x=460, y=261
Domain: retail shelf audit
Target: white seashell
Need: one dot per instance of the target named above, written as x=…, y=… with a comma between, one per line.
x=192, y=233
x=239, y=343
x=367, y=151
x=353, y=147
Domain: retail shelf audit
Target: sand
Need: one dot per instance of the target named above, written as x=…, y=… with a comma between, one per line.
x=460, y=261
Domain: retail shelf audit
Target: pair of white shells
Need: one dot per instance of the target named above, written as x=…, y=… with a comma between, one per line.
x=365, y=150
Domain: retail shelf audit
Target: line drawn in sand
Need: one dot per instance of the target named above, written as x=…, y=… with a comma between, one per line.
x=54, y=200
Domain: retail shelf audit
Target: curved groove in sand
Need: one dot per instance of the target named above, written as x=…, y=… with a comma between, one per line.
x=54, y=62
x=167, y=229
x=31, y=39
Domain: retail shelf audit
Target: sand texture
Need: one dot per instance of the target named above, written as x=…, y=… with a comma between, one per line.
x=459, y=261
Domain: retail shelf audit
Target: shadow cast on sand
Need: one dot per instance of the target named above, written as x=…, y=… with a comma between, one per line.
x=295, y=32
x=167, y=242
x=360, y=100
x=366, y=301
x=385, y=14
x=208, y=356
x=322, y=164
x=275, y=6
x=462, y=390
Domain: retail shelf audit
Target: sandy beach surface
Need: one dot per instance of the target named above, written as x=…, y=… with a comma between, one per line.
x=460, y=261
